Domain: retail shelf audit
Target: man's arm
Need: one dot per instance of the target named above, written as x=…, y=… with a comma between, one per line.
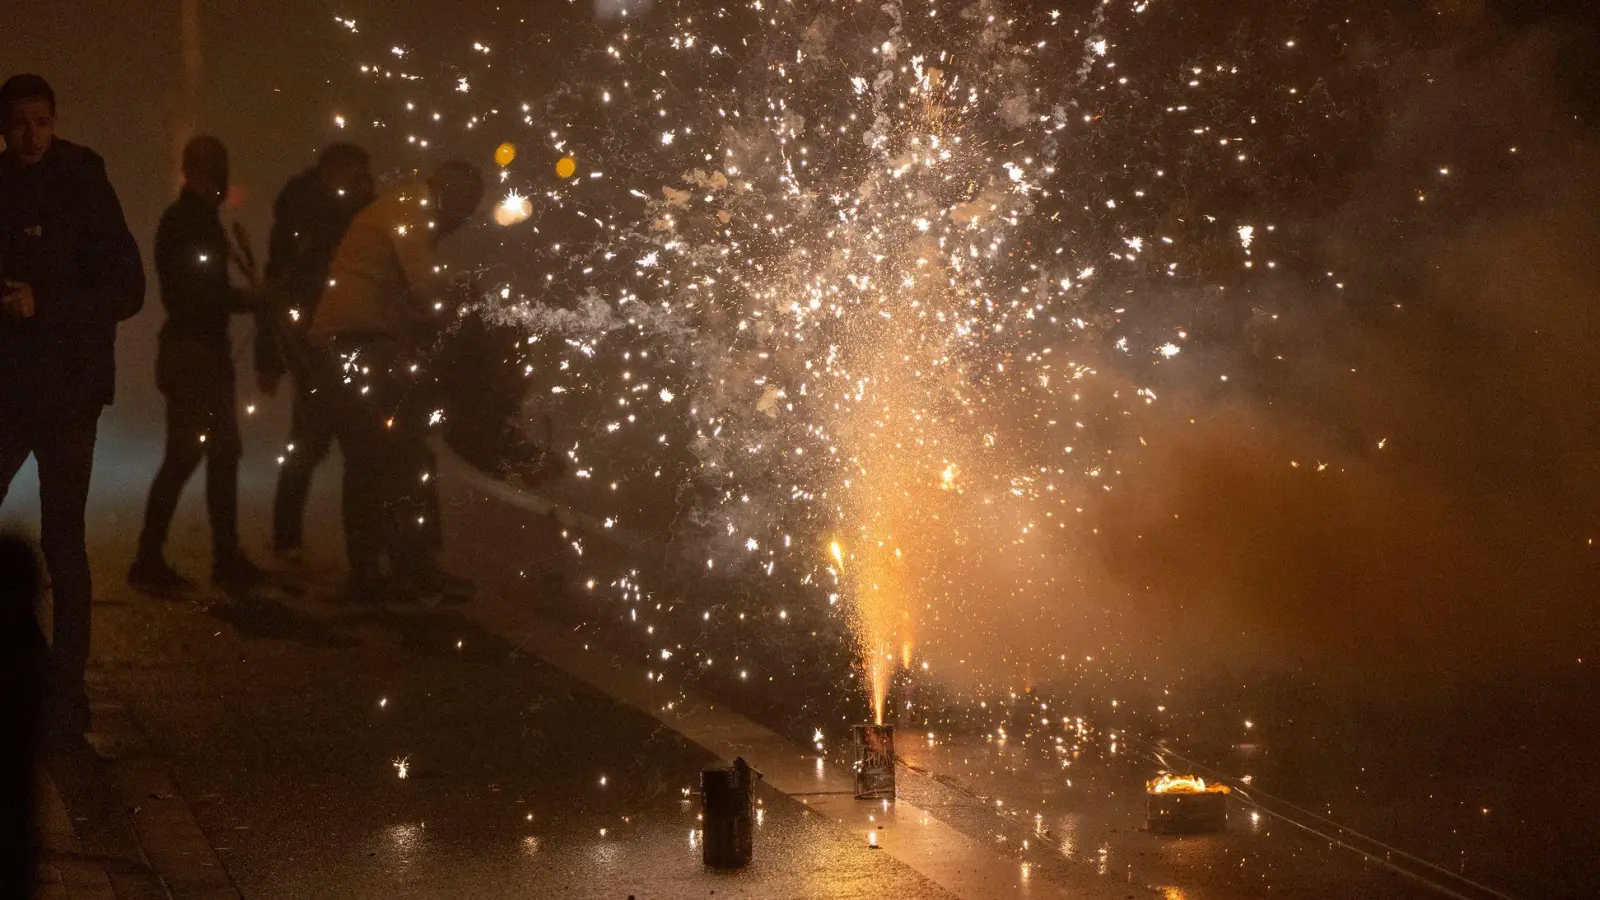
x=106, y=284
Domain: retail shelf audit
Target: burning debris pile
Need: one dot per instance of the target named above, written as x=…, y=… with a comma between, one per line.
x=1186, y=804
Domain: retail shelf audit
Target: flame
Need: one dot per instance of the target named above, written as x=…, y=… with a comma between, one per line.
x=1169, y=783
x=882, y=670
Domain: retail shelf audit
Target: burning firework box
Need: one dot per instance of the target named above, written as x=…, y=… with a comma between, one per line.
x=874, y=761
x=1185, y=804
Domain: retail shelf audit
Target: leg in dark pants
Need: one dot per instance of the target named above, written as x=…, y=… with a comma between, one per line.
x=223, y=449
x=63, y=442
x=66, y=460
x=184, y=451
x=411, y=517
x=311, y=432
x=390, y=506
x=199, y=427
x=23, y=673
x=386, y=507
x=362, y=442
x=365, y=395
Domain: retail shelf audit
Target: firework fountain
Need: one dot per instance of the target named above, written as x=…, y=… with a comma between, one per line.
x=871, y=300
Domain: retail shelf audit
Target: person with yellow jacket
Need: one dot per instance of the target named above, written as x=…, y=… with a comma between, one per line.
x=377, y=313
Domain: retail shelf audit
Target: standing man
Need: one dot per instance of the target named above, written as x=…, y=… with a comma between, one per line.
x=311, y=215
x=71, y=272
x=375, y=318
x=194, y=370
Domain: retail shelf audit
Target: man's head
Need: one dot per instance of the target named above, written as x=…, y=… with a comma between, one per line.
x=205, y=168
x=458, y=189
x=346, y=170
x=28, y=108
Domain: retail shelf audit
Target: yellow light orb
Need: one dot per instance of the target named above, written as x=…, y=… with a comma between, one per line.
x=566, y=167
x=505, y=153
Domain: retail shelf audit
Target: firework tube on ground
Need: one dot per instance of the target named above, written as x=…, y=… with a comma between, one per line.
x=874, y=761
x=727, y=802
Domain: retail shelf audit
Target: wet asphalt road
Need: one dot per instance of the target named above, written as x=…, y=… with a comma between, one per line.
x=284, y=724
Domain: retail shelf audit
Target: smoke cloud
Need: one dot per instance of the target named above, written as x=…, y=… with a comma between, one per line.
x=1411, y=479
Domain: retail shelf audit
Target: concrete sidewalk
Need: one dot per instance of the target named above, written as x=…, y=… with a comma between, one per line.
x=65, y=872
x=110, y=823
x=292, y=747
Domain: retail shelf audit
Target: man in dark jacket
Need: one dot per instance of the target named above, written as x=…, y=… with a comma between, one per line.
x=311, y=215
x=71, y=272
x=194, y=370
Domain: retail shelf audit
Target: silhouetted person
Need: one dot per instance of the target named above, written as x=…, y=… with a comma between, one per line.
x=376, y=316
x=71, y=272
x=310, y=217
x=23, y=660
x=194, y=370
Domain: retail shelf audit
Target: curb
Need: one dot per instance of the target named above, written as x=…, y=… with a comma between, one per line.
x=113, y=825
x=910, y=835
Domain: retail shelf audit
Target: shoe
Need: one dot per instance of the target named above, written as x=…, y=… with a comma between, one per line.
x=153, y=574
x=234, y=571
